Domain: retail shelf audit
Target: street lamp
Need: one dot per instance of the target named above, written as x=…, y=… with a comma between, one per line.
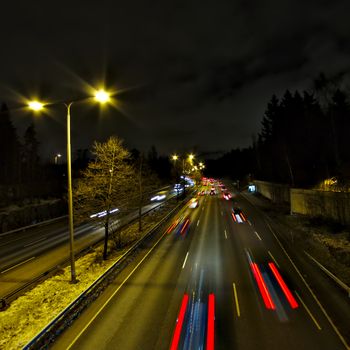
x=174, y=158
x=100, y=96
x=56, y=158
x=35, y=105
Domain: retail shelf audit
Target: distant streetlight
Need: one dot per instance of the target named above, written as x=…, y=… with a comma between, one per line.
x=100, y=96
x=56, y=158
x=174, y=158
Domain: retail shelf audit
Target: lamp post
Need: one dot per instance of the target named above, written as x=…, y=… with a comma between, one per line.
x=102, y=97
x=189, y=159
x=175, y=157
x=56, y=158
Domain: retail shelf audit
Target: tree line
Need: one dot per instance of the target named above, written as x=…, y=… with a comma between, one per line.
x=303, y=139
x=22, y=174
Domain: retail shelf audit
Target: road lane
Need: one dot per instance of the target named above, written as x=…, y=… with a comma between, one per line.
x=292, y=326
x=198, y=264
x=142, y=314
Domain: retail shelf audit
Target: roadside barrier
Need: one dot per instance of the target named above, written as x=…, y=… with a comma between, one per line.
x=330, y=274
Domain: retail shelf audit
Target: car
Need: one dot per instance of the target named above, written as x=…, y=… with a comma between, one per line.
x=194, y=203
x=238, y=215
x=227, y=195
x=237, y=210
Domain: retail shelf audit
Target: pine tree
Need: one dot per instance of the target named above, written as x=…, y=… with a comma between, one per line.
x=9, y=149
x=30, y=157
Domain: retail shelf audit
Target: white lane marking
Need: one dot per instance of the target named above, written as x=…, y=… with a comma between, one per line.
x=197, y=222
x=273, y=258
x=225, y=234
x=308, y=311
x=32, y=243
x=236, y=299
x=336, y=330
x=249, y=223
x=257, y=234
x=183, y=265
x=21, y=263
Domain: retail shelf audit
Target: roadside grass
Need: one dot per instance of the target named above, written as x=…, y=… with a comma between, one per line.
x=327, y=241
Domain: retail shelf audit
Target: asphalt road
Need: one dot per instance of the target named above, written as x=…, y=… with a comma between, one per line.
x=209, y=282
x=26, y=254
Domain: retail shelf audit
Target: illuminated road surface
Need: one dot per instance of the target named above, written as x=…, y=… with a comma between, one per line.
x=30, y=253
x=212, y=281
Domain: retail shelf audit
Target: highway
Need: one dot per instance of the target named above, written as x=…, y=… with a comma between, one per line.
x=29, y=253
x=211, y=280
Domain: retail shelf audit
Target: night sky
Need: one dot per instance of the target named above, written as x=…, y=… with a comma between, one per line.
x=191, y=75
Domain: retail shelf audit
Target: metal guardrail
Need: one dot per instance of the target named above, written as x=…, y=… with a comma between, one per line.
x=330, y=274
x=72, y=311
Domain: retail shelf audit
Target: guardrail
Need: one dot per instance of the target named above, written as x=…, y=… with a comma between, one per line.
x=48, y=334
x=330, y=274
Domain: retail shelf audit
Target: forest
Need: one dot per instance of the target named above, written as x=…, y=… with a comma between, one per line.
x=303, y=139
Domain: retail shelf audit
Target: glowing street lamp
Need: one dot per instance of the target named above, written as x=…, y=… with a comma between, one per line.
x=56, y=157
x=101, y=96
x=35, y=105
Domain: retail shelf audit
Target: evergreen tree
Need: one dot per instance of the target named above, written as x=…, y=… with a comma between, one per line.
x=30, y=157
x=340, y=110
x=9, y=149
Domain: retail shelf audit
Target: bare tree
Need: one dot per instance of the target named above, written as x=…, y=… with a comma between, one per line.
x=105, y=184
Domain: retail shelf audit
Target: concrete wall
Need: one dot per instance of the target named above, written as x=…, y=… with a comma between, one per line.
x=330, y=205
x=277, y=193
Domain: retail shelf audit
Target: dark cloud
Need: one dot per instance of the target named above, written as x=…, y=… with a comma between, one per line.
x=195, y=73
